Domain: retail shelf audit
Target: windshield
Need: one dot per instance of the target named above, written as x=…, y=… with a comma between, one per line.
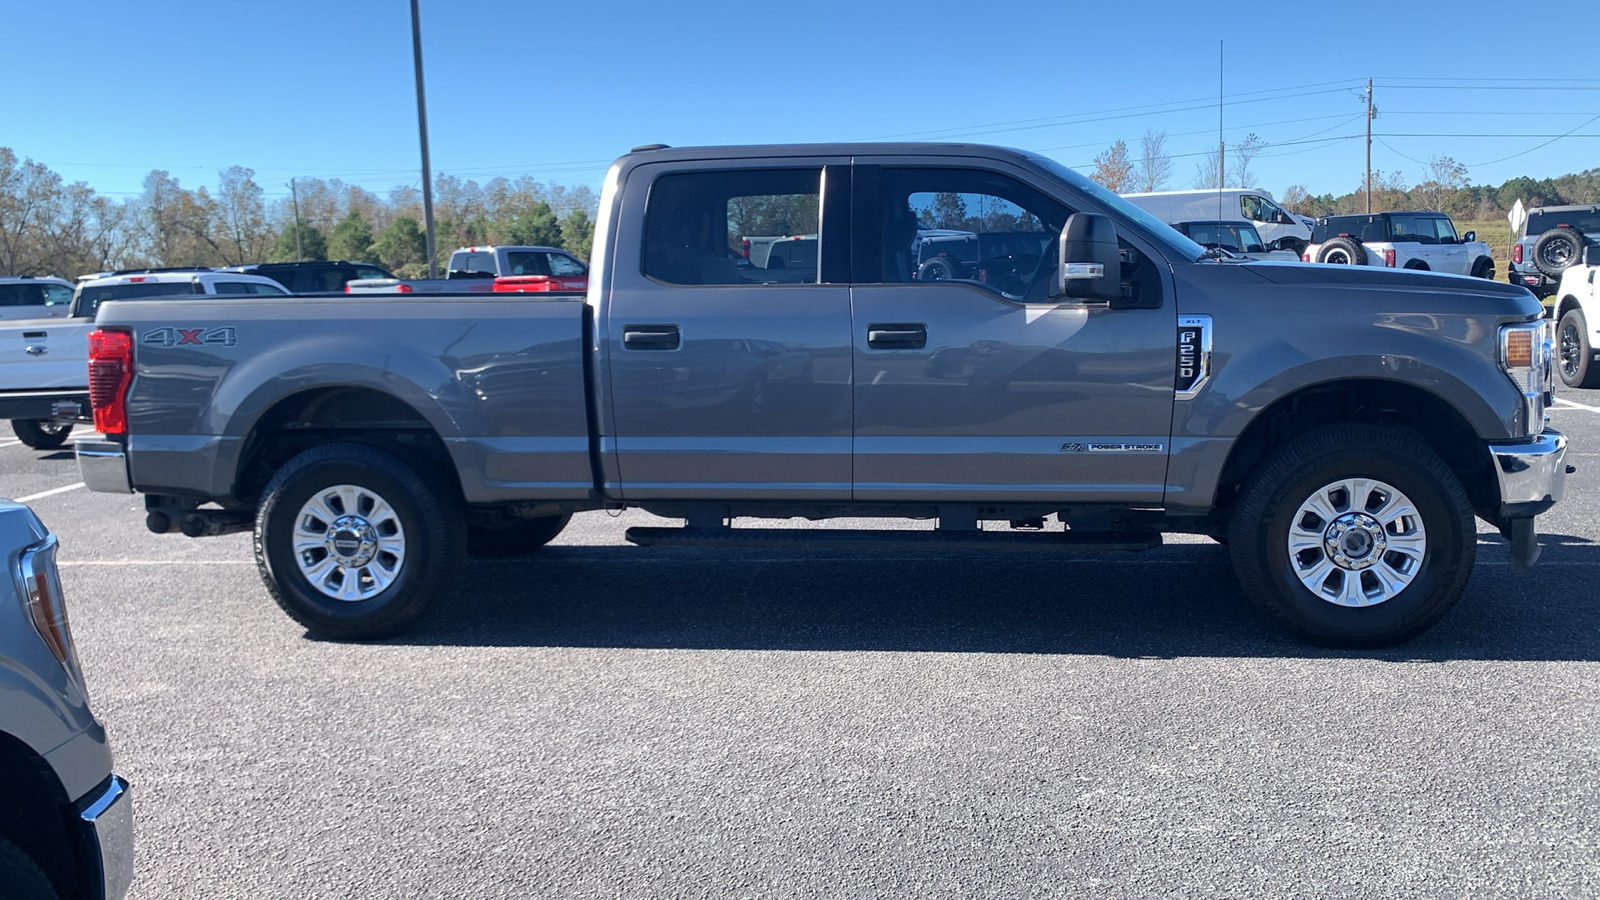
x=1180, y=245
x=90, y=298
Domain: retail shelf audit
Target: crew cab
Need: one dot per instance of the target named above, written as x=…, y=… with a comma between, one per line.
x=1577, y=316
x=1425, y=241
x=44, y=362
x=1336, y=427
x=66, y=818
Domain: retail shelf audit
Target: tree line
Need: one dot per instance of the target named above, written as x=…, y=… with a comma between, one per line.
x=51, y=227
x=1444, y=187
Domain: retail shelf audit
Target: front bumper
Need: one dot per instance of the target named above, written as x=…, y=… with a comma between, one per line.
x=1533, y=475
x=107, y=814
x=103, y=466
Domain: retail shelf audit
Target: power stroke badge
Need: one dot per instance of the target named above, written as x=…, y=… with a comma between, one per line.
x=1112, y=447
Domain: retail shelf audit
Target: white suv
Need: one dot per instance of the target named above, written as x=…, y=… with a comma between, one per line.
x=44, y=365
x=1577, y=315
x=1399, y=240
x=22, y=297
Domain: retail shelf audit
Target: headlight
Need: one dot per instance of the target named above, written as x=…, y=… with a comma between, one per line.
x=1526, y=352
x=40, y=583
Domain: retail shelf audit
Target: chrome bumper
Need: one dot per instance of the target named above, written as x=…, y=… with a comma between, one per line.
x=1532, y=474
x=103, y=466
x=109, y=816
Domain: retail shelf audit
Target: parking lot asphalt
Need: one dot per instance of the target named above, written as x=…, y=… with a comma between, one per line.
x=613, y=721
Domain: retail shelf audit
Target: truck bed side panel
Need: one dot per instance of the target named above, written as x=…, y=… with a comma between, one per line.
x=500, y=381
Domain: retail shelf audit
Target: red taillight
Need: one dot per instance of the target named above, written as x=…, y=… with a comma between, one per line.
x=1305, y=257
x=1516, y=253
x=1388, y=258
x=137, y=280
x=744, y=248
x=110, y=372
x=402, y=288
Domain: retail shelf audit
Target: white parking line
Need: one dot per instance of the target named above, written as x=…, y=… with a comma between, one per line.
x=50, y=493
x=82, y=563
x=10, y=442
x=1568, y=403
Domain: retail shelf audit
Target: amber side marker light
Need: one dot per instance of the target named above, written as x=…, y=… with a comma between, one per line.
x=1519, y=350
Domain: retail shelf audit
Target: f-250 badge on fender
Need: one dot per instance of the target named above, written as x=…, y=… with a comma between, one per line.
x=178, y=337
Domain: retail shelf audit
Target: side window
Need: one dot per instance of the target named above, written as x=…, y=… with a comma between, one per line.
x=986, y=230
x=267, y=289
x=370, y=272
x=1408, y=229
x=1446, y=230
x=232, y=287
x=1375, y=229
x=1254, y=210
x=561, y=264
x=57, y=295
x=332, y=279
x=19, y=295
x=734, y=227
x=528, y=262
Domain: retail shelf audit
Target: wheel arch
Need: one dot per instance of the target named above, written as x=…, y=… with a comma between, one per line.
x=1444, y=427
x=337, y=412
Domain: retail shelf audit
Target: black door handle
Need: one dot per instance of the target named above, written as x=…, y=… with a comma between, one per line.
x=650, y=337
x=897, y=336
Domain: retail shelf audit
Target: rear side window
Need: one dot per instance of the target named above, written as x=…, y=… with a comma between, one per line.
x=90, y=298
x=22, y=294
x=371, y=272
x=699, y=227
x=528, y=262
x=284, y=277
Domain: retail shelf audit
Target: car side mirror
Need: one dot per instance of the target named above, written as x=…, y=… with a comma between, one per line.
x=1469, y=237
x=1254, y=248
x=1089, y=265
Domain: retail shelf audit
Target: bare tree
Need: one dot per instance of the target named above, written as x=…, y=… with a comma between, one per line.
x=1239, y=159
x=1112, y=168
x=241, y=216
x=1208, y=171
x=1154, y=166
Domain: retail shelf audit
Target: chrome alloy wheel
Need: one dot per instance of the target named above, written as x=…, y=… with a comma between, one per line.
x=1357, y=542
x=348, y=542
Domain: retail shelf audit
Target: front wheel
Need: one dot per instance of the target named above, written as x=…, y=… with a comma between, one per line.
x=41, y=434
x=1577, y=355
x=1483, y=268
x=353, y=543
x=1354, y=536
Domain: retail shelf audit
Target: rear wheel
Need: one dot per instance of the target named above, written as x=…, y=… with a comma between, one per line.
x=1354, y=536
x=41, y=434
x=1577, y=356
x=353, y=543
x=1417, y=265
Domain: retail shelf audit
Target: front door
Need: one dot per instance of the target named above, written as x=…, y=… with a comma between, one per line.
x=970, y=384
x=729, y=378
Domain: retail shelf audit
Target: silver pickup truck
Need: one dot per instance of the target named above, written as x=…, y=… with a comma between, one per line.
x=1337, y=428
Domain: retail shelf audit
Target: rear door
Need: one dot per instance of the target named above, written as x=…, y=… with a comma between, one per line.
x=726, y=379
x=980, y=388
x=34, y=300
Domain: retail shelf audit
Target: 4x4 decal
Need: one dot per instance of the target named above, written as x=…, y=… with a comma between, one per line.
x=177, y=337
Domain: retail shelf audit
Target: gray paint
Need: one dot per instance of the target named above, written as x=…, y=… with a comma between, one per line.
x=774, y=395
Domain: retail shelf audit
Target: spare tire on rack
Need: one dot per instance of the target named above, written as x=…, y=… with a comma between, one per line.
x=1557, y=249
x=1343, y=251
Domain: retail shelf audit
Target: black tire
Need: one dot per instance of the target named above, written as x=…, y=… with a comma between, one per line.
x=20, y=877
x=521, y=538
x=1311, y=465
x=42, y=434
x=1417, y=265
x=936, y=269
x=1557, y=249
x=423, y=522
x=1343, y=251
x=1483, y=268
x=1575, y=354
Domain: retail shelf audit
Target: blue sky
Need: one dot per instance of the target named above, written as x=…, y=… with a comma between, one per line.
x=556, y=91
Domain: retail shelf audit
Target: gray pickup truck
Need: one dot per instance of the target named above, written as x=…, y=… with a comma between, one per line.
x=1337, y=428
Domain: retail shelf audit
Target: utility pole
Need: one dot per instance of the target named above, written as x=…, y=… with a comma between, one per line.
x=422, y=130
x=299, y=248
x=1222, y=146
x=1369, y=146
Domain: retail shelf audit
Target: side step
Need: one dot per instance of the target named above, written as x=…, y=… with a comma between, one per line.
x=849, y=539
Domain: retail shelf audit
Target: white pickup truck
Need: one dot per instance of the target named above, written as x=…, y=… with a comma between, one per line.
x=1577, y=314
x=44, y=363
